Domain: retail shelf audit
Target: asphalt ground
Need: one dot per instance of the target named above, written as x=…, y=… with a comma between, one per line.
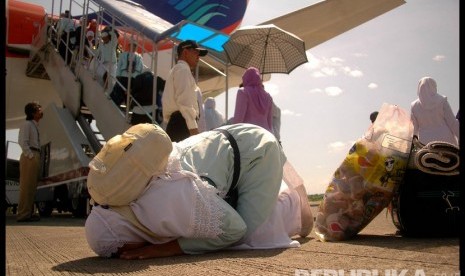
x=57, y=246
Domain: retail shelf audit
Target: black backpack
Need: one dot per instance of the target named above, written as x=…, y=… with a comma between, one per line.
x=427, y=204
x=143, y=92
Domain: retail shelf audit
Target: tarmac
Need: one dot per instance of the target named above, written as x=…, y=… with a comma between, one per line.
x=57, y=246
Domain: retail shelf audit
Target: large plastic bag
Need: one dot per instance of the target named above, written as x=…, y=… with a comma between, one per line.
x=363, y=184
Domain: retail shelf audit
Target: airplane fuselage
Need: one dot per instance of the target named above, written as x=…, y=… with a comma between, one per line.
x=24, y=20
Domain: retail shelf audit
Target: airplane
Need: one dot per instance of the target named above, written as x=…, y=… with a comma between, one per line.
x=24, y=19
x=323, y=21
x=314, y=24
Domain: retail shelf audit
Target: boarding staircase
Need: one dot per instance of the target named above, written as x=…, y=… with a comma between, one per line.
x=77, y=130
x=80, y=91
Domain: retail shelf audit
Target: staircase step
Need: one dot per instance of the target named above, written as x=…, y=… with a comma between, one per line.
x=36, y=70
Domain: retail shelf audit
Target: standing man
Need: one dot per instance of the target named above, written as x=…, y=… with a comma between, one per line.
x=181, y=109
x=29, y=162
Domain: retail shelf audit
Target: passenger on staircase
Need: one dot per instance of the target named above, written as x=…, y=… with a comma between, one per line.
x=106, y=57
x=82, y=27
x=130, y=64
x=92, y=28
x=65, y=28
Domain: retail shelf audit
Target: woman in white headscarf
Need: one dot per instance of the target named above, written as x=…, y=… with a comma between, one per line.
x=432, y=116
x=213, y=118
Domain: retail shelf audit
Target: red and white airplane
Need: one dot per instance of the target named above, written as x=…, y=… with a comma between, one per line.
x=315, y=24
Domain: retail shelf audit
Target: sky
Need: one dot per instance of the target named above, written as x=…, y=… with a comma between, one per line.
x=325, y=103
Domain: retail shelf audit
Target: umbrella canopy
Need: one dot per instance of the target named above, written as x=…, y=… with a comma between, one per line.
x=266, y=47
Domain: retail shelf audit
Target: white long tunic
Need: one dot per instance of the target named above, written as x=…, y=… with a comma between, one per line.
x=432, y=116
x=172, y=206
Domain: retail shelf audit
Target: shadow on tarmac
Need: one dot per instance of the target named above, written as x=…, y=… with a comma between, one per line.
x=98, y=265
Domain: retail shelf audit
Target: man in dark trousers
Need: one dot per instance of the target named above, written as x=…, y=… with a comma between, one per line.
x=181, y=110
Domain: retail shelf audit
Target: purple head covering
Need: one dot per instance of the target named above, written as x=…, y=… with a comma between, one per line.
x=254, y=87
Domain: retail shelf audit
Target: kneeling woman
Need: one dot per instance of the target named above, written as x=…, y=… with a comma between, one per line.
x=180, y=213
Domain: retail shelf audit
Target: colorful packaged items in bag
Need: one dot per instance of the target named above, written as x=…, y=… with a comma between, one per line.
x=364, y=183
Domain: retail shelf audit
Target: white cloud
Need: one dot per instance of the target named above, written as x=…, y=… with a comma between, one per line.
x=340, y=146
x=356, y=73
x=372, y=85
x=337, y=146
x=329, y=71
x=439, y=58
x=323, y=67
x=353, y=73
x=329, y=67
x=333, y=91
x=313, y=62
x=336, y=61
x=316, y=90
x=287, y=112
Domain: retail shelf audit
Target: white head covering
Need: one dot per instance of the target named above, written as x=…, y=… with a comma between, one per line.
x=122, y=169
x=210, y=103
x=213, y=118
x=428, y=93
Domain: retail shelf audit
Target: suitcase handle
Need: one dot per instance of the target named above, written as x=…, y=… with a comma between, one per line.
x=445, y=196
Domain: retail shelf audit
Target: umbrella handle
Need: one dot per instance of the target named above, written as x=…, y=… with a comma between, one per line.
x=264, y=56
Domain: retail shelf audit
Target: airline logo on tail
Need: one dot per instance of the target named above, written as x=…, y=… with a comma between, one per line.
x=224, y=15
